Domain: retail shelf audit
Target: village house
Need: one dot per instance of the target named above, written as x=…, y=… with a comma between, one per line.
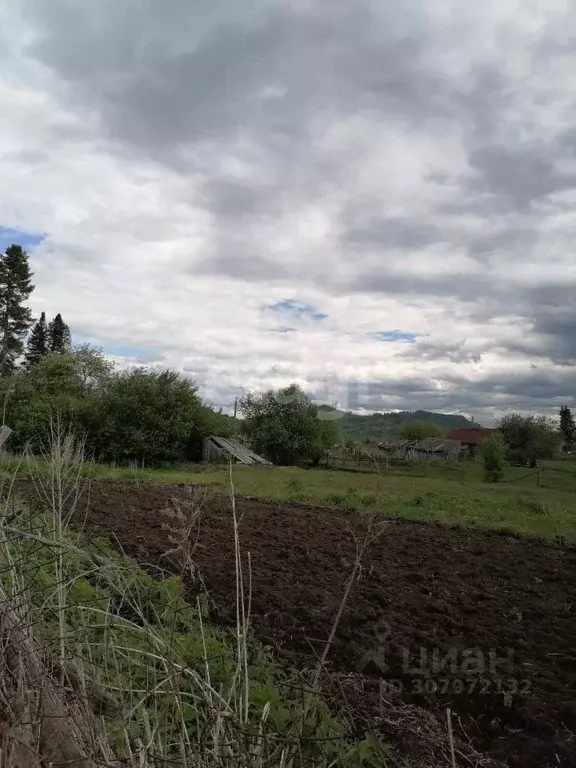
x=470, y=439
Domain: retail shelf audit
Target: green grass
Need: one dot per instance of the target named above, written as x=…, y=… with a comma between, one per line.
x=451, y=494
x=518, y=505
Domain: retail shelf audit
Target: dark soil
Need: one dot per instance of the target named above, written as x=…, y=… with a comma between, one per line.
x=424, y=591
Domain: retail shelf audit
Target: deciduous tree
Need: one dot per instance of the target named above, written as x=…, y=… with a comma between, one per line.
x=285, y=426
x=151, y=418
x=529, y=438
x=57, y=386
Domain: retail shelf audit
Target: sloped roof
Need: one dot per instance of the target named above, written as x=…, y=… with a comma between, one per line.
x=437, y=445
x=430, y=444
x=240, y=452
x=471, y=436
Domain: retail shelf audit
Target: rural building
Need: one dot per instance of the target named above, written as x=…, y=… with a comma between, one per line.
x=471, y=438
x=222, y=450
x=434, y=449
x=428, y=449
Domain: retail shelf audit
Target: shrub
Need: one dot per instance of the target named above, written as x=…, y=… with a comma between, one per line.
x=493, y=451
x=62, y=386
x=150, y=418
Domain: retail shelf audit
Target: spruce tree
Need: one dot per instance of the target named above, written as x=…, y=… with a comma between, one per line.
x=567, y=427
x=15, y=318
x=37, y=342
x=59, y=339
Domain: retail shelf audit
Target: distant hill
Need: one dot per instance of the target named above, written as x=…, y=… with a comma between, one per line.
x=379, y=426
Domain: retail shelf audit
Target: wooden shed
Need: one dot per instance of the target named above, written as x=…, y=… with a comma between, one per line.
x=429, y=449
x=222, y=450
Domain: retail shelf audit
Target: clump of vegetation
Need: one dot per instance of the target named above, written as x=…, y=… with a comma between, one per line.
x=493, y=453
x=285, y=427
x=353, y=498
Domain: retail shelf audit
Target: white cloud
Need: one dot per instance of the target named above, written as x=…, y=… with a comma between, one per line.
x=397, y=171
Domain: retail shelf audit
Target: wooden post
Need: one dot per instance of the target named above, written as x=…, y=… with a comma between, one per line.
x=539, y=477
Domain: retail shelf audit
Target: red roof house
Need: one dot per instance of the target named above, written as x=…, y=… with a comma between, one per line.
x=470, y=438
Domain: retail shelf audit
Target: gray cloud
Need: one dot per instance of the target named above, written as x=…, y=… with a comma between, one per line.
x=517, y=177
x=394, y=232
x=483, y=398
x=454, y=352
x=161, y=88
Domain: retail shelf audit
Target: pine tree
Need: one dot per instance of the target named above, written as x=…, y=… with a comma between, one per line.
x=567, y=427
x=15, y=318
x=37, y=342
x=59, y=339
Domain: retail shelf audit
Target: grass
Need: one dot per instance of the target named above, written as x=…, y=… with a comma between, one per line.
x=452, y=494
x=100, y=661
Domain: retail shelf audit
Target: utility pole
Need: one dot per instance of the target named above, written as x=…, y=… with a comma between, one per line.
x=235, y=406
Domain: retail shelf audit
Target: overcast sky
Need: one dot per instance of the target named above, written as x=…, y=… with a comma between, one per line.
x=373, y=198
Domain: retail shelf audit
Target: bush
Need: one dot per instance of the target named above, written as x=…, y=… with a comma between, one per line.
x=132, y=416
x=493, y=452
x=61, y=386
x=285, y=427
x=149, y=418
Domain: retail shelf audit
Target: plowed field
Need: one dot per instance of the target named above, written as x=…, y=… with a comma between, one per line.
x=484, y=623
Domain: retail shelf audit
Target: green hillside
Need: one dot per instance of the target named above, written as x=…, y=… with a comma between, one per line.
x=379, y=426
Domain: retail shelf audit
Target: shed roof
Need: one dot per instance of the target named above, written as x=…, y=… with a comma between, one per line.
x=240, y=452
x=431, y=444
x=437, y=445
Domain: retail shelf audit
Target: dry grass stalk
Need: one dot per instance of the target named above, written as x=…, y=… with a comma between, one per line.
x=181, y=521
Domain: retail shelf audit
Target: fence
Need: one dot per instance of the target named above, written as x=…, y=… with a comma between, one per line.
x=546, y=475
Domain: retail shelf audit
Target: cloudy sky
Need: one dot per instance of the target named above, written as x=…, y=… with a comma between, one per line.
x=373, y=198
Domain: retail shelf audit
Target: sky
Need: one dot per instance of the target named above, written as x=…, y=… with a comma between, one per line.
x=375, y=199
